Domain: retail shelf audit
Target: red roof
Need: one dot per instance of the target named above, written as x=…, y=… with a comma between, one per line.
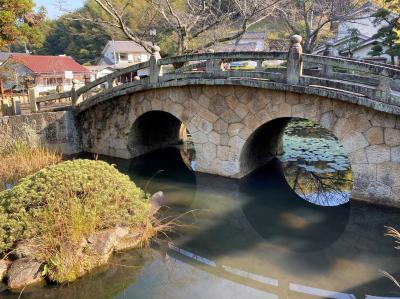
x=49, y=64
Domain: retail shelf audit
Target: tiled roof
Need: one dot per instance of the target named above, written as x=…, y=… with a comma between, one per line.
x=254, y=35
x=237, y=48
x=49, y=64
x=126, y=46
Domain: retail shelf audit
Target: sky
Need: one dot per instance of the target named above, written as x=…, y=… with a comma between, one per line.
x=53, y=6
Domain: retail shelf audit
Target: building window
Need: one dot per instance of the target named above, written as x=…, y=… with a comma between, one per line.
x=52, y=81
x=123, y=57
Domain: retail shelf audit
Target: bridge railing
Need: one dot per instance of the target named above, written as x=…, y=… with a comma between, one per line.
x=295, y=68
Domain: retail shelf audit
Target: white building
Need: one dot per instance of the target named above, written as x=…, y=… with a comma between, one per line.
x=121, y=54
x=249, y=42
x=364, y=23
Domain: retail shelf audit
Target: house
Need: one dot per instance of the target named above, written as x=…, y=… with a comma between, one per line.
x=345, y=45
x=250, y=41
x=50, y=73
x=121, y=54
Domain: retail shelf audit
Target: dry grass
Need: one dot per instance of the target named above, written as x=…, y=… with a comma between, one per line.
x=394, y=233
x=20, y=158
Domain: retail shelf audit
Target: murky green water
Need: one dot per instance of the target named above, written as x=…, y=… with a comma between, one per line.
x=253, y=238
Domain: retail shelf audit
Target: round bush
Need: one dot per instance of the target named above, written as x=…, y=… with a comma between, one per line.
x=58, y=206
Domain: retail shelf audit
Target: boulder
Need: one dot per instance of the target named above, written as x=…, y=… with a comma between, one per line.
x=24, y=272
x=102, y=243
x=157, y=201
x=3, y=269
x=132, y=240
x=24, y=249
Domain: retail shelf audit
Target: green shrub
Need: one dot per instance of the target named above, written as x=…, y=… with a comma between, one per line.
x=58, y=206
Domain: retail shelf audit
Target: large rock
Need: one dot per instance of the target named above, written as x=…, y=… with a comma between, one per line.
x=24, y=272
x=132, y=240
x=3, y=269
x=102, y=243
x=157, y=201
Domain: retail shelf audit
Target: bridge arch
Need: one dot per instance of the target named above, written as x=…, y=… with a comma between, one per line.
x=222, y=118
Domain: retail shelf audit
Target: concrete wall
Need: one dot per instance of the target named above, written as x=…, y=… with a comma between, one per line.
x=222, y=118
x=53, y=129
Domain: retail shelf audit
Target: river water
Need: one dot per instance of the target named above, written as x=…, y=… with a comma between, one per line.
x=287, y=230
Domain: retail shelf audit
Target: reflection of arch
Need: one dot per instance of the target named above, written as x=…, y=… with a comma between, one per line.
x=315, y=164
x=154, y=130
x=262, y=145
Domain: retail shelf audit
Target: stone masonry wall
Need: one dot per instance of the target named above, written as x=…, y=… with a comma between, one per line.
x=222, y=118
x=53, y=129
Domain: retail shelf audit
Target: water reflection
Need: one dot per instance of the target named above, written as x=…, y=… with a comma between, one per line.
x=315, y=164
x=246, y=239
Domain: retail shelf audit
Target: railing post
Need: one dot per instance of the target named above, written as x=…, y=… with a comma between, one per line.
x=384, y=90
x=212, y=65
x=74, y=96
x=16, y=107
x=327, y=69
x=259, y=66
x=155, y=68
x=294, y=61
x=32, y=101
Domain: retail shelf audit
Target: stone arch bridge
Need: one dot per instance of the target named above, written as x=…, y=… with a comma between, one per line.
x=235, y=117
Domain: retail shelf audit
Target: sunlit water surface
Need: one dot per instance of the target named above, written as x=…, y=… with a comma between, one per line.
x=253, y=238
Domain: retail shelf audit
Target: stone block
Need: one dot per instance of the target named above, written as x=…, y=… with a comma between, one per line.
x=395, y=154
x=234, y=129
x=214, y=137
x=205, y=126
x=358, y=157
x=241, y=110
x=358, y=123
x=209, y=151
x=354, y=141
x=221, y=126
x=379, y=191
x=223, y=152
x=292, y=98
x=328, y=120
x=378, y=153
x=389, y=174
x=392, y=137
x=374, y=135
x=199, y=137
x=230, y=117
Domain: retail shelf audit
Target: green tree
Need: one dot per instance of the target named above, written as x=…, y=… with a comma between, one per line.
x=19, y=22
x=352, y=42
x=83, y=41
x=387, y=34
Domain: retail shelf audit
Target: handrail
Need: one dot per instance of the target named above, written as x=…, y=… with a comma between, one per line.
x=352, y=65
x=224, y=55
x=113, y=75
x=369, y=80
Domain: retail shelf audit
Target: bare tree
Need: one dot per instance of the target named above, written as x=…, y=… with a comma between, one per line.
x=193, y=24
x=310, y=18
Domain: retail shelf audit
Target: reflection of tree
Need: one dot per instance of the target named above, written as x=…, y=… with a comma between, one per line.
x=319, y=187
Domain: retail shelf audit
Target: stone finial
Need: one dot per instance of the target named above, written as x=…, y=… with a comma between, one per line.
x=75, y=82
x=155, y=68
x=295, y=39
x=155, y=49
x=294, y=63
